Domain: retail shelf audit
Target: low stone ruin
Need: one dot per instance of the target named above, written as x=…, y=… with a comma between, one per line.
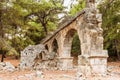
x=29, y=54
x=6, y=66
x=37, y=57
x=49, y=63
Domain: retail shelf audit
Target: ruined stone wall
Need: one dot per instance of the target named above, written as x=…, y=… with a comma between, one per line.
x=50, y=63
x=37, y=57
x=65, y=61
x=29, y=54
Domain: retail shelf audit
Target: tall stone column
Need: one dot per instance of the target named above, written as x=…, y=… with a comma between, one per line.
x=93, y=60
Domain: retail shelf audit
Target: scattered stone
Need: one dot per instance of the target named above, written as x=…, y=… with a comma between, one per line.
x=15, y=79
x=32, y=74
x=67, y=76
x=39, y=74
x=6, y=66
x=79, y=76
x=109, y=69
x=28, y=76
x=20, y=76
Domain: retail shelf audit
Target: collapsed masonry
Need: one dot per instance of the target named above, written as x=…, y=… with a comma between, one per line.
x=37, y=57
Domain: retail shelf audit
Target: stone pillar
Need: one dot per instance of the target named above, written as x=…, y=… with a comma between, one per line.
x=93, y=60
x=65, y=63
x=50, y=47
x=98, y=62
x=94, y=64
x=84, y=68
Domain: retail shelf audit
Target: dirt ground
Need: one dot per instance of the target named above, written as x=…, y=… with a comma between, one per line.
x=114, y=73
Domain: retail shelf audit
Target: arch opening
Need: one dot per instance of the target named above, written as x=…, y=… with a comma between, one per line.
x=46, y=47
x=55, y=46
x=75, y=49
x=72, y=46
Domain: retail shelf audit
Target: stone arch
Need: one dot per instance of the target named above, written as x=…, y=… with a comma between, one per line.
x=55, y=46
x=46, y=47
x=66, y=60
x=68, y=42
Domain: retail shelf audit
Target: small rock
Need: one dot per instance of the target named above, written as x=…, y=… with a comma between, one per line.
x=32, y=74
x=20, y=76
x=15, y=79
x=6, y=66
x=9, y=67
x=28, y=76
x=39, y=74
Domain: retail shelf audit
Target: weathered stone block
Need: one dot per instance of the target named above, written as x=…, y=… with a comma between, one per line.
x=98, y=53
x=29, y=54
x=99, y=17
x=97, y=61
x=99, y=69
x=92, y=61
x=85, y=69
x=65, y=63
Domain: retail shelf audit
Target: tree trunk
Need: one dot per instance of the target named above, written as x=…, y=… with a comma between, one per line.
x=3, y=56
x=45, y=28
x=118, y=54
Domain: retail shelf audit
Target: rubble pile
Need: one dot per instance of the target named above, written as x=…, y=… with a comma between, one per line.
x=28, y=76
x=29, y=54
x=37, y=57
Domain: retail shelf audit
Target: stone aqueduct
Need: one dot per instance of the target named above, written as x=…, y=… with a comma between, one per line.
x=63, y=37
x=87, y=24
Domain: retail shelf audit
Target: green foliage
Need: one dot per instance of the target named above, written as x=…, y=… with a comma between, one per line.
x=7, y=48
x=77, y=7
x=111, y=25
x=76, y=50
x=43, y=12
x=12, y=52
x=27, y=22
x=35, y=32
